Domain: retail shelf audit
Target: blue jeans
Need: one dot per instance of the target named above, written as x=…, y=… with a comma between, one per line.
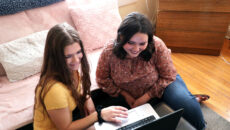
x=176, y=95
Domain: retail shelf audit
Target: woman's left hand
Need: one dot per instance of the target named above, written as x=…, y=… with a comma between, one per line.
x=89, y=106
x=141, y=100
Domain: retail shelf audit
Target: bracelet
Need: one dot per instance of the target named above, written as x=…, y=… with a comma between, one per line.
x=98, y=109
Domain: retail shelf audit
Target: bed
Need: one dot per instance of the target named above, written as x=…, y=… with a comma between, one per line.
x=24, y=26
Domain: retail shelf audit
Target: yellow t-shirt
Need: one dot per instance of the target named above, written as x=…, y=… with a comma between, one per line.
x=59, y=96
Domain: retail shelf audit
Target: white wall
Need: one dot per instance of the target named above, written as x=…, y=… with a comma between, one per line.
x=146, y=7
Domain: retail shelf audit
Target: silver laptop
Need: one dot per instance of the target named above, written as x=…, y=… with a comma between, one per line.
x=144, y=118
x=134, y=115
x=167, y=122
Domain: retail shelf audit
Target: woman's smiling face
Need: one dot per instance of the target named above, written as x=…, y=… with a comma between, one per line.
x=137, y=43
x=73, y=56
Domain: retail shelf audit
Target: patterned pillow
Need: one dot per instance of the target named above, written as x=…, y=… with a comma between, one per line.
x=14, y=6
x=23, y=57
x=97, y=22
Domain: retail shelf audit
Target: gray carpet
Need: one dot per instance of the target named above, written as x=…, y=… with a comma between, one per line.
x=214, y=121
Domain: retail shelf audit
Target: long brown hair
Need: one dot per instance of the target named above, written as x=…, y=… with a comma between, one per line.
x=55, y=68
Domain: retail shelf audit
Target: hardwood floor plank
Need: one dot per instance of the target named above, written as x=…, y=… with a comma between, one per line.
x=209, y=75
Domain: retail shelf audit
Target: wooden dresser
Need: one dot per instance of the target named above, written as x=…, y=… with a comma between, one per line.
x=193, y=26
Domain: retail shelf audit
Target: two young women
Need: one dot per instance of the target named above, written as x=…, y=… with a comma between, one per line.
x=136, y=68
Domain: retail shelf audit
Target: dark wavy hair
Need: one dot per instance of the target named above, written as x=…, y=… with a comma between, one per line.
x=132, y=24
x=55, y=68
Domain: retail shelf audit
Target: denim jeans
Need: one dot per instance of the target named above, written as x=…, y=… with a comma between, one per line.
x=176, y=95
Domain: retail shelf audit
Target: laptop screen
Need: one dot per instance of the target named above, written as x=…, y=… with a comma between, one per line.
x=167, y=122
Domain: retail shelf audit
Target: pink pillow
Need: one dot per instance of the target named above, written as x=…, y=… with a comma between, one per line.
x=97, y=22
x=46, y=17
x=14, y=26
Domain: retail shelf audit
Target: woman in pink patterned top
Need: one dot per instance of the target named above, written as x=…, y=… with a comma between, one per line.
x=138, y=68
x=135, y=76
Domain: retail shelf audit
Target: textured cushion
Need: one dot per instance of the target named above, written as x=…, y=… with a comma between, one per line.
x=23, y=57
x=46, y=17
x=14, y=6
x=96, y=21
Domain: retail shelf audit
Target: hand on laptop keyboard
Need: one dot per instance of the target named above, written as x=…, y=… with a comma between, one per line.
x=123, y=120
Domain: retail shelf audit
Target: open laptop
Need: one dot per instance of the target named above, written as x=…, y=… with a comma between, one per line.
x=144, y=117
x=167, y=122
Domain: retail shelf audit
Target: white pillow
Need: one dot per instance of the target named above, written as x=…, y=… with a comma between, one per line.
x=23, y=57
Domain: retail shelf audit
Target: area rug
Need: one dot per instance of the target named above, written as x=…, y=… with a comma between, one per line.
x=214, y=121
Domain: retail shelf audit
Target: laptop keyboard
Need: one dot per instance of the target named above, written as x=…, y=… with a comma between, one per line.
x=138, y=124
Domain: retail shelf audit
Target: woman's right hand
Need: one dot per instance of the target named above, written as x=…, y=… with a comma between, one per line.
x=110, y=113
x=128, y=98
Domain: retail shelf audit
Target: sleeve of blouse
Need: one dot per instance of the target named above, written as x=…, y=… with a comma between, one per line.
x=56, y=98
x=165, y=67
x=103, y=75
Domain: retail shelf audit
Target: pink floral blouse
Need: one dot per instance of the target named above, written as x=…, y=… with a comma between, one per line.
x=134, y=75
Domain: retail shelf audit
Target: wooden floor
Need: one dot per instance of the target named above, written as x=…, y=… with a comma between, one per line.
x=208, y=75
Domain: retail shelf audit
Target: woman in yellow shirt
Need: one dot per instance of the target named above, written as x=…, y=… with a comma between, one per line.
x=62, y=88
